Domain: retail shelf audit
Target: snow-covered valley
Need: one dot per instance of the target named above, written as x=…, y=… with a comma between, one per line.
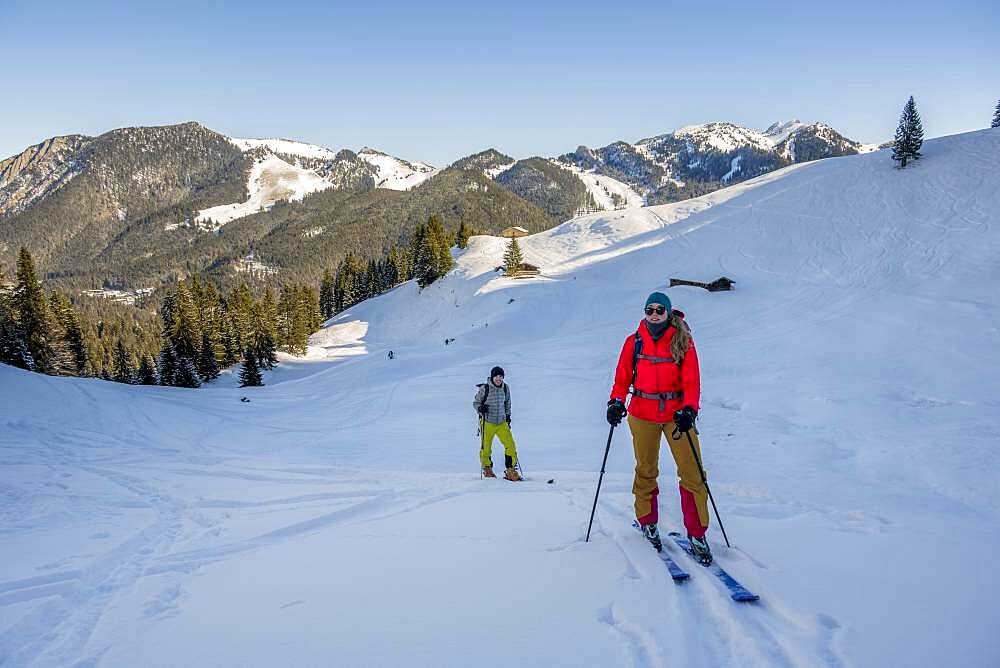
x=850, y=420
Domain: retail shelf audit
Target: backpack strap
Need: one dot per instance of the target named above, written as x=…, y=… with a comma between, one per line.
x=636, y=351
x=486, y=394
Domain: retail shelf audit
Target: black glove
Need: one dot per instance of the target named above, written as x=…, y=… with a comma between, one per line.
x=616, y=411
x=508, y=418
x=684, y=419
x=483, y=410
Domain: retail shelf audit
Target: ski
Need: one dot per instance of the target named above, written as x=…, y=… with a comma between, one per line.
x=676, y=572
x=736, y=591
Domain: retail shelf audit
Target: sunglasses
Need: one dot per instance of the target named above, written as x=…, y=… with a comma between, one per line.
x=658, y=310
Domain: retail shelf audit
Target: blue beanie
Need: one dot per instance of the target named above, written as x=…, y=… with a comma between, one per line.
x=659, y=298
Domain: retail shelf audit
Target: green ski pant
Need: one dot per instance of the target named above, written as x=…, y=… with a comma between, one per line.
x=501, y=431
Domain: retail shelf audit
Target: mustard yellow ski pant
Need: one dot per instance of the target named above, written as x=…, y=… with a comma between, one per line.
x=694, y=495
x=501, y=431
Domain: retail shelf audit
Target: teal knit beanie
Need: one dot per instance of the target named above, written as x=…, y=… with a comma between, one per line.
x=659, y=298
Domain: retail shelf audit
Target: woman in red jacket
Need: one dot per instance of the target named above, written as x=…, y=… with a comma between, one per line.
x=659, y=361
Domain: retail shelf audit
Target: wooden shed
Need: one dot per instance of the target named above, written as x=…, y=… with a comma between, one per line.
x=514, y=232
x=720, y=284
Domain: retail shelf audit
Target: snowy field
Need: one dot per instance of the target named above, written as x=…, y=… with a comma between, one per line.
x=850, y=423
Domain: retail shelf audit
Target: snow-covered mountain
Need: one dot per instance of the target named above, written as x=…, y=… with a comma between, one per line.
x=687, y=162
x=395, y=173
x=490, y=162
x=286, y=170
x=848, y=424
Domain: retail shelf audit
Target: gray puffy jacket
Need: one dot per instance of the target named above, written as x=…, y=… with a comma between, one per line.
x=497, y=402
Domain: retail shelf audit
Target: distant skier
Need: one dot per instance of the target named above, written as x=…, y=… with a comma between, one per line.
x=392, y=355
x=661, y=365
x=492, y=402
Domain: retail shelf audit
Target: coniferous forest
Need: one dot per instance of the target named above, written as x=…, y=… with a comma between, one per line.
x=184, y=335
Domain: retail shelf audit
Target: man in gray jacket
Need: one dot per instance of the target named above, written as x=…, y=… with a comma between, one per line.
x=492, y=402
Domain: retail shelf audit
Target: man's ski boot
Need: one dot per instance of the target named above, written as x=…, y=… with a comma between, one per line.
x=652, y=534
x=488, y=472
x=511, y=474
x=700, y=550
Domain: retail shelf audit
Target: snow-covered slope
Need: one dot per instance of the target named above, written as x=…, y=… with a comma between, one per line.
x=723, y=137
x=287, y=147
x=271, y=179
x=394, y=173
x=312, y=168
x=849, y=426
x=609, y=193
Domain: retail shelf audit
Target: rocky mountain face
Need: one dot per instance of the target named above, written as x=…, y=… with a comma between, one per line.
x=74, y=199
x=37, y=171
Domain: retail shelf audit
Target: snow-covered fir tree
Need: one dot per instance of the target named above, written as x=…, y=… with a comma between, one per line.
x=249, y=373
x=909, y=135
x=996, y=117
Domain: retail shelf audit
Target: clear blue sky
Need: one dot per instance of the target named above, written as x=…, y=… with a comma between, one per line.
x=435, y=81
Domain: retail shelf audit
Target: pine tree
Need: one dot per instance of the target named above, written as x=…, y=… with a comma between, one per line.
x=208, y=366
x=187, y=375
x=462, y=238
x=909, y=135
x=249, y=373
x=13, y=349
x=168, y=365
x=147, y=372
x=266, y=331
x=42, y=334
x=440, y=242
x=512, y=258
x=63, y=311
x=402, y=267
x=424, y=257
x=185, y=330
x=347, y=284
x=326, y=300
x=239, y=313
x=123, y=370
x=996, y=117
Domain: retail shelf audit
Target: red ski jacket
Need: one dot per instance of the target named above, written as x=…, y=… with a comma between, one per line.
x=657, y=376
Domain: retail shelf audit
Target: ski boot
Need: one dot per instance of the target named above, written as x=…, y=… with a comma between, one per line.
x=700, y=550
x=488, y=472
x=511, y=474
x=652, y=534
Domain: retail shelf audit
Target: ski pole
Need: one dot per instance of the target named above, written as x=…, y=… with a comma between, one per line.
x=482, y=443
x=704, y=480
x=599, y=481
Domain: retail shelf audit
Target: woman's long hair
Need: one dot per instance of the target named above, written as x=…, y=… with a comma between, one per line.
x=682, y=339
